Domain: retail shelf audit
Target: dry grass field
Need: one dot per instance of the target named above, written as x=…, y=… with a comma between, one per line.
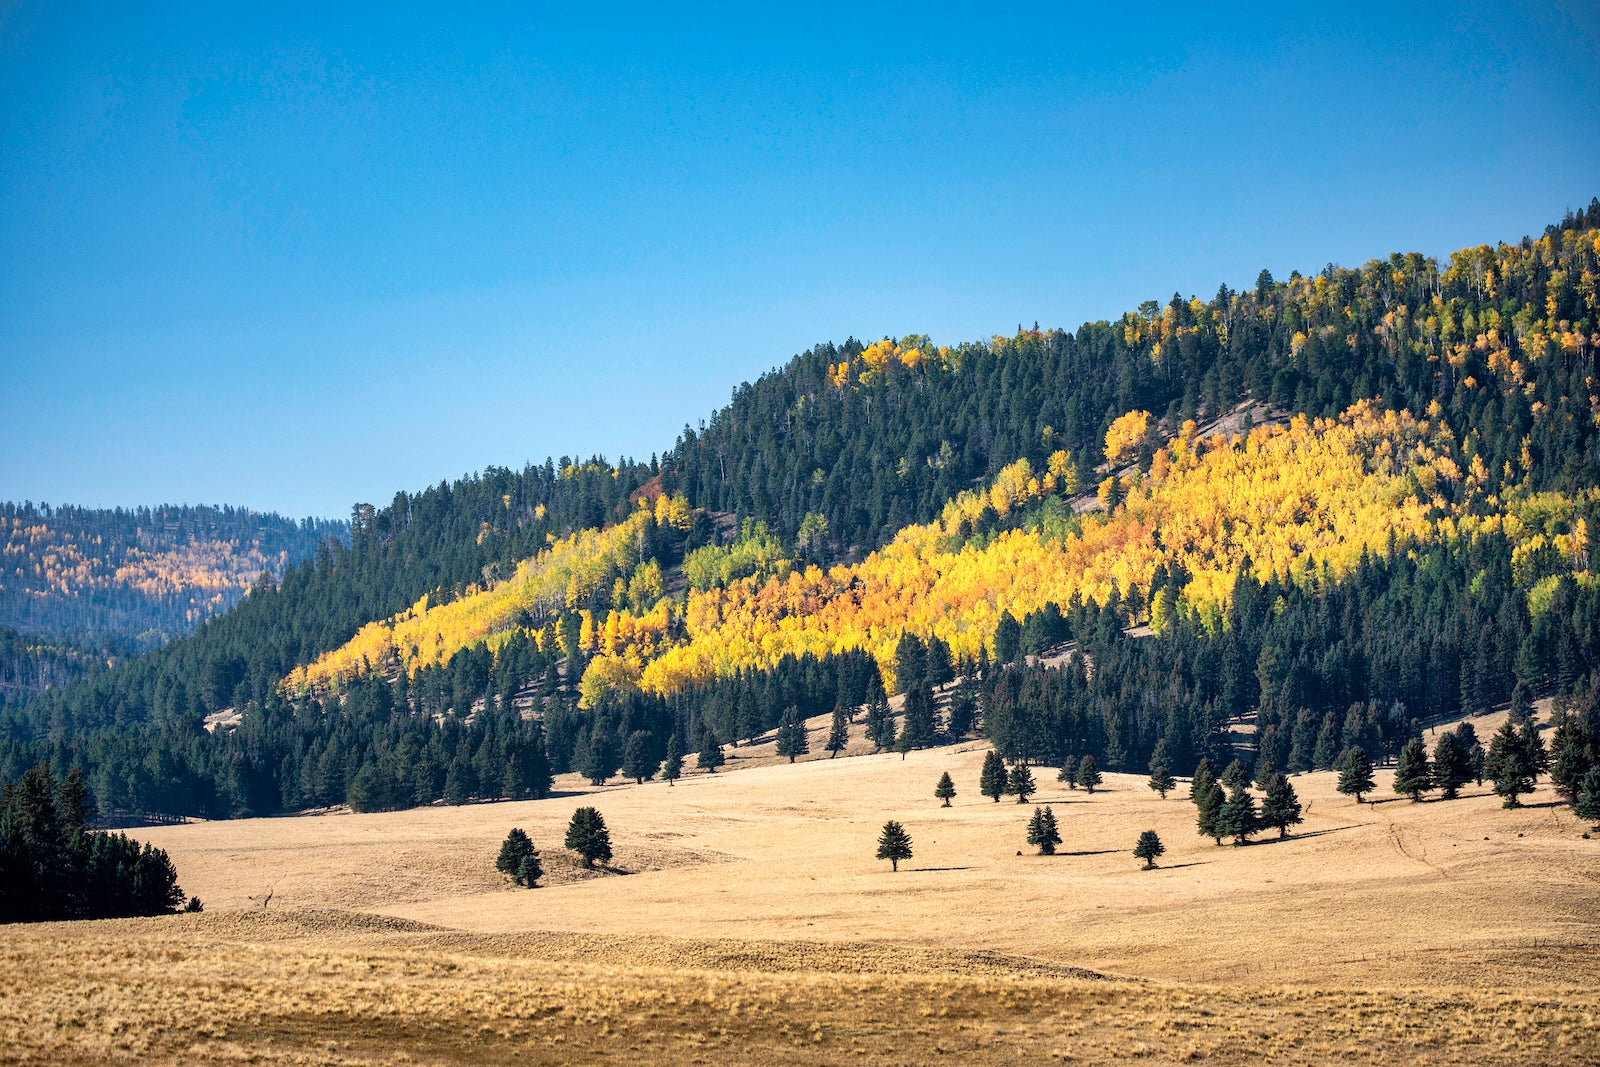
x=746, y=920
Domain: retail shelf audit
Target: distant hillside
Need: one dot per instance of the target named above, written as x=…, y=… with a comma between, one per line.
x=1336, y=503
x=139, y=576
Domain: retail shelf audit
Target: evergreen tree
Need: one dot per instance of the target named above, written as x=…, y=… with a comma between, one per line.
x=1587, y=806
x=1202, y=781
x=838, y=734
x=1236, y=777
x=1570, y=765
x=1521, y=705
x=1238, y=818
x=1467, y=741
x=792, y=740
x=1414, y=774
x=600, y=759
x=1511, y=764
x=1149, y=848
x=1161, y=780
x=946, y=789
x=588, y=837
x=1452, y=765
x=880, y=727
x=672, y=769
x=1069, y=772
x=894, y=844
x=639, y=760
x=1088, y=773
x=1209, y=811
x=1020, y=782
x=529, y=871
x=1355, y=773
x=1043, y=831
x=919, y=728
x=512, y=849
x=992, y=781
x=710, y=756
x=1280, y=808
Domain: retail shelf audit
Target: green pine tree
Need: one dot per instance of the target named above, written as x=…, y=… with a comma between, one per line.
x=1511, y=765
x=1019, y=782
x=792, y=740
x=1161, y=780
x=838, y=734
x=1413, y=775
x=1238, y=818
x=1069, y=772
x=1587, y=805
x=1088, y=773
x=1209, y=806
x=946, y=789
x=588, y=837
x=1452, y=765
x=672, y=769
x=992, y=780
x=710, y=756
x=1204, y=778
x=1149, y=848
x=894, y=844
x=1280, y=808
x=1043, y=832
x=1355, y=773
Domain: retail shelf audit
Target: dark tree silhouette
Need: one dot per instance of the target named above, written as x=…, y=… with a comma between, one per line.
x=894, y=844
x=1149, y=848
x=946, y=789
x=588, y=837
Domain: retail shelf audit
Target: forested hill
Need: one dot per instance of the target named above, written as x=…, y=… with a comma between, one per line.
x=872, y=438
x=140, y=576
x=1433, y=453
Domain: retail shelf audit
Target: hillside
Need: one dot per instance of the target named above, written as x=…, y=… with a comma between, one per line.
x=1338, y=503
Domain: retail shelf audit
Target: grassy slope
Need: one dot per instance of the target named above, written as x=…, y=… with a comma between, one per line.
x=1454, y=931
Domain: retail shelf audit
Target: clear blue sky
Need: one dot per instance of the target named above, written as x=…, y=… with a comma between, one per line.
x=305, y=255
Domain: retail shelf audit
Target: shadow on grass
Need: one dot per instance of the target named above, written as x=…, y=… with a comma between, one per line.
x=1176, y=866
x=1298, y=837
x=931, y=870
x=1099, y=852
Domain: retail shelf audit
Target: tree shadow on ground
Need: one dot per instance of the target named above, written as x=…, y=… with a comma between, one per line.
x=1097, y=852
x=1177, y=866
x=931, y=870
x=1300, y=837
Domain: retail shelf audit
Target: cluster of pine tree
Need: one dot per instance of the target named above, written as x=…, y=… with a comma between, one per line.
x=53, y=866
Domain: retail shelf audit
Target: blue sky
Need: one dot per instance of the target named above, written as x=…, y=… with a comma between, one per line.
x=299, y=257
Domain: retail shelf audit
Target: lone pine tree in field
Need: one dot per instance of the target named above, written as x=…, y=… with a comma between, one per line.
x=710, y=756
x=1043, y=832
x=1280, y=808
x=672, y=769
x=1355, y=773
x=894, y=844
x=992, y=780
x=1069, y=772
x=838, y=734
x=792, y=735
x=946, y=789
x=1020, y=782
x=1148, y=848
x=588, y=837
x=1088, y=773
x=1413, y=775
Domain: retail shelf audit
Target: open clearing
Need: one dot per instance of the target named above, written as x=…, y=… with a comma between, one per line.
x=746, y=920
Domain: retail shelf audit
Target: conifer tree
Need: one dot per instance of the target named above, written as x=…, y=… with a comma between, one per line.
x=1413, y=774
x=792, y=740
x=1161, y=780
x=1088, y=773
x=1069, y=772
x=1238, y=818
x=672, y=769
x=1452, y=765
x=529, y=871
x=838, y=734
x=600, y=760
x=992, y=781
x=638, y=760
x=1587, y=806
x=1511, y=764
x=894, y=844
x=1235, y=777
x=1043, y=831
x=1020, y=782
x=710, y=756
x=946, y=789
x=1280, y=808
x=1521, y=705
x=919, y=728
x=512, y=849
x=1355, y=773
x=1149, y=848
x=1209, y=811
x=588, y=837
x=1204, y=778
